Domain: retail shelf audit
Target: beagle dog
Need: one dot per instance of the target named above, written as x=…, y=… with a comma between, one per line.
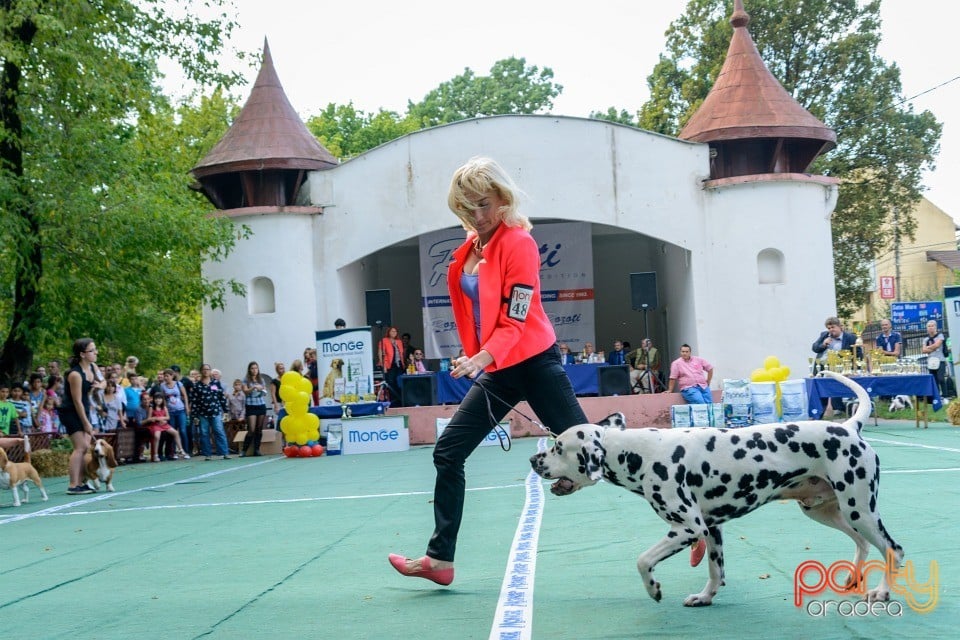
x=13, y=475
x=99, y=464
x=336, y=371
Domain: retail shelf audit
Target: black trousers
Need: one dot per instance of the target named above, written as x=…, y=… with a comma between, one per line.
x=542, y=382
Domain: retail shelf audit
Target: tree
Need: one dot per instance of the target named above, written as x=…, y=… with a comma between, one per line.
x=511, y=88
x=824, y=52
x=94, y=218
x=346, y=132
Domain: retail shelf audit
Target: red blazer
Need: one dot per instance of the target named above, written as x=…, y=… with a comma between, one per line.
x=386, y=353
x=513, y=324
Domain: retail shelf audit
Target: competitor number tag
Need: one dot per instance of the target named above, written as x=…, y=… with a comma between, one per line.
x=521, y=296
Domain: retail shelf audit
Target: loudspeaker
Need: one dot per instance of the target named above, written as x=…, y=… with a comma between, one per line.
x=378, y=308
x=614, y=380
x=419, y=390
x=643, y=290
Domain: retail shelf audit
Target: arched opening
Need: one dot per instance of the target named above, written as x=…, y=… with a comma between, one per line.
x=770, y=267
x=262, y=298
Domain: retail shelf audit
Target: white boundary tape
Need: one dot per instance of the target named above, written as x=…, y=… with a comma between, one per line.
x=513, y=619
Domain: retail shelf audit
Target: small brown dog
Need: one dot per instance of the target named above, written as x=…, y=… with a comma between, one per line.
x=15, y=474
x=99, y=464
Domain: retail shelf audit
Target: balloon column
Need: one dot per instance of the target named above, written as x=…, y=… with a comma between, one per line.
x=772, y=372
x=300, y=427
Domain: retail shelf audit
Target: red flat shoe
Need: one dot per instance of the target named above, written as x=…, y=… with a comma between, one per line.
x=440, y=576
x=697, y=551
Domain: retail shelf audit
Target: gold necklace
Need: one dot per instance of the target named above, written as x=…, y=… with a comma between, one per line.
x=478, y=247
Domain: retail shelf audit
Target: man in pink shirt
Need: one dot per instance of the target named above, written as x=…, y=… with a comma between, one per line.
x=692, y=375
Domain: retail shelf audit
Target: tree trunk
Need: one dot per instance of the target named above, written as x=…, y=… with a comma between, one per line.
x=16, y=358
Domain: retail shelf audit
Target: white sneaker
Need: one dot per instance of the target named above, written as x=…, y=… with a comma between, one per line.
x=184, y=455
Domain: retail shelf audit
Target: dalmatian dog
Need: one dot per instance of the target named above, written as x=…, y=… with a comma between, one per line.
x=697, y=479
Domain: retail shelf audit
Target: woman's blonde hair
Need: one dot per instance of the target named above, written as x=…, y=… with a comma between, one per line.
x=479, y=177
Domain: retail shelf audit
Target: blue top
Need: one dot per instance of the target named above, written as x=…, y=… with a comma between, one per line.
x=470, y=283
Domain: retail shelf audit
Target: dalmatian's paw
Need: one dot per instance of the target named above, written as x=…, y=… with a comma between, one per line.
x=698, y=600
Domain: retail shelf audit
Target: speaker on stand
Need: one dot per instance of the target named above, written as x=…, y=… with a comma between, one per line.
x=643, y=297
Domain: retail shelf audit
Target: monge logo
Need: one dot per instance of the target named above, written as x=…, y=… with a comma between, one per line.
x=373, y=436
x=441, y=252
x=813, y=578
x=347, y=346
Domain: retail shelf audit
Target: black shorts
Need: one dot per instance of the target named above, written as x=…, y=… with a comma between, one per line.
x=71, y=422
x=256, y=409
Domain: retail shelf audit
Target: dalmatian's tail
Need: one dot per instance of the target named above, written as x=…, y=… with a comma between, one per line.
x=859, y=418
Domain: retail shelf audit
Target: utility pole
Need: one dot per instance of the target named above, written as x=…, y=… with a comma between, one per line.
x=896, y=250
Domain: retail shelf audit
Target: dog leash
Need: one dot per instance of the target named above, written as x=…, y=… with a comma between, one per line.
x=502, y=434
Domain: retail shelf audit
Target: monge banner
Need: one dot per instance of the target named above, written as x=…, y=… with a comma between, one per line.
x=345, y=362
x=566, y=285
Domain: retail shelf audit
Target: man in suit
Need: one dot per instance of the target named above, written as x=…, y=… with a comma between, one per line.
x=618, y=355
x=834, y=339
x=565, y=356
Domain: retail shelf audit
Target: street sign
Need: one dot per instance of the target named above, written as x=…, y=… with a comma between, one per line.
x=888, y=287
x=913, y=316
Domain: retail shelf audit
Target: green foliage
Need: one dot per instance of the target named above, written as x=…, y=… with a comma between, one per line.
x=612, y=115
x=346, y=132
x=511, y=88
x=61, y=444
x=824, y=52
x=100, y=236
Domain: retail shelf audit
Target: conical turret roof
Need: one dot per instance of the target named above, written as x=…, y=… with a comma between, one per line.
x=748, y=103
x=267, y=134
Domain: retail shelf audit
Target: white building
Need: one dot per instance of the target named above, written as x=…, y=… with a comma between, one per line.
x=737, y=233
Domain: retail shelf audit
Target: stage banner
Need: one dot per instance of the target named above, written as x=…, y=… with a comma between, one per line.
x=566, y=285
x=345, y=363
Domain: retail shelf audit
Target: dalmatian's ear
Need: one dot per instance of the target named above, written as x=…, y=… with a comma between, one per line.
x=614, y=420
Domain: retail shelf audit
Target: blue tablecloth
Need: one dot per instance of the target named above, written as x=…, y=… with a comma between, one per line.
x=583, y=377
x=923, y=384
x=357, y=409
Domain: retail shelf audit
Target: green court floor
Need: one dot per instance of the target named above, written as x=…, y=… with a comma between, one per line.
x=297, y=548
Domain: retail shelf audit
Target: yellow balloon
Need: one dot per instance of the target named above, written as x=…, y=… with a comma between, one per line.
x=771, y=362
x=312, y=421
x=313, y=434
x=296, y=406
x=291, y=378
x=305, y=385
x=777, y=374
x=288, y=391
x=786, y=373
x=760, y=375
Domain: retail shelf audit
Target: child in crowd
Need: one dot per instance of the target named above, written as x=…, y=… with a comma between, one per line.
x=47, y=419
x=237, y=401
x=159, y=423
x=9, y=424
x=133, y=392
x=24, y=411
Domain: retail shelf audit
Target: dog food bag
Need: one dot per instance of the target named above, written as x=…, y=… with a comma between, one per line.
x=700, y=414
x=680, y=415
x=763, y=400
x=793, y=401
x=737, y=405
x=717, y=415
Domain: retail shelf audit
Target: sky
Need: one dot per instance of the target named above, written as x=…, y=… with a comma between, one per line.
x=380, y=54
